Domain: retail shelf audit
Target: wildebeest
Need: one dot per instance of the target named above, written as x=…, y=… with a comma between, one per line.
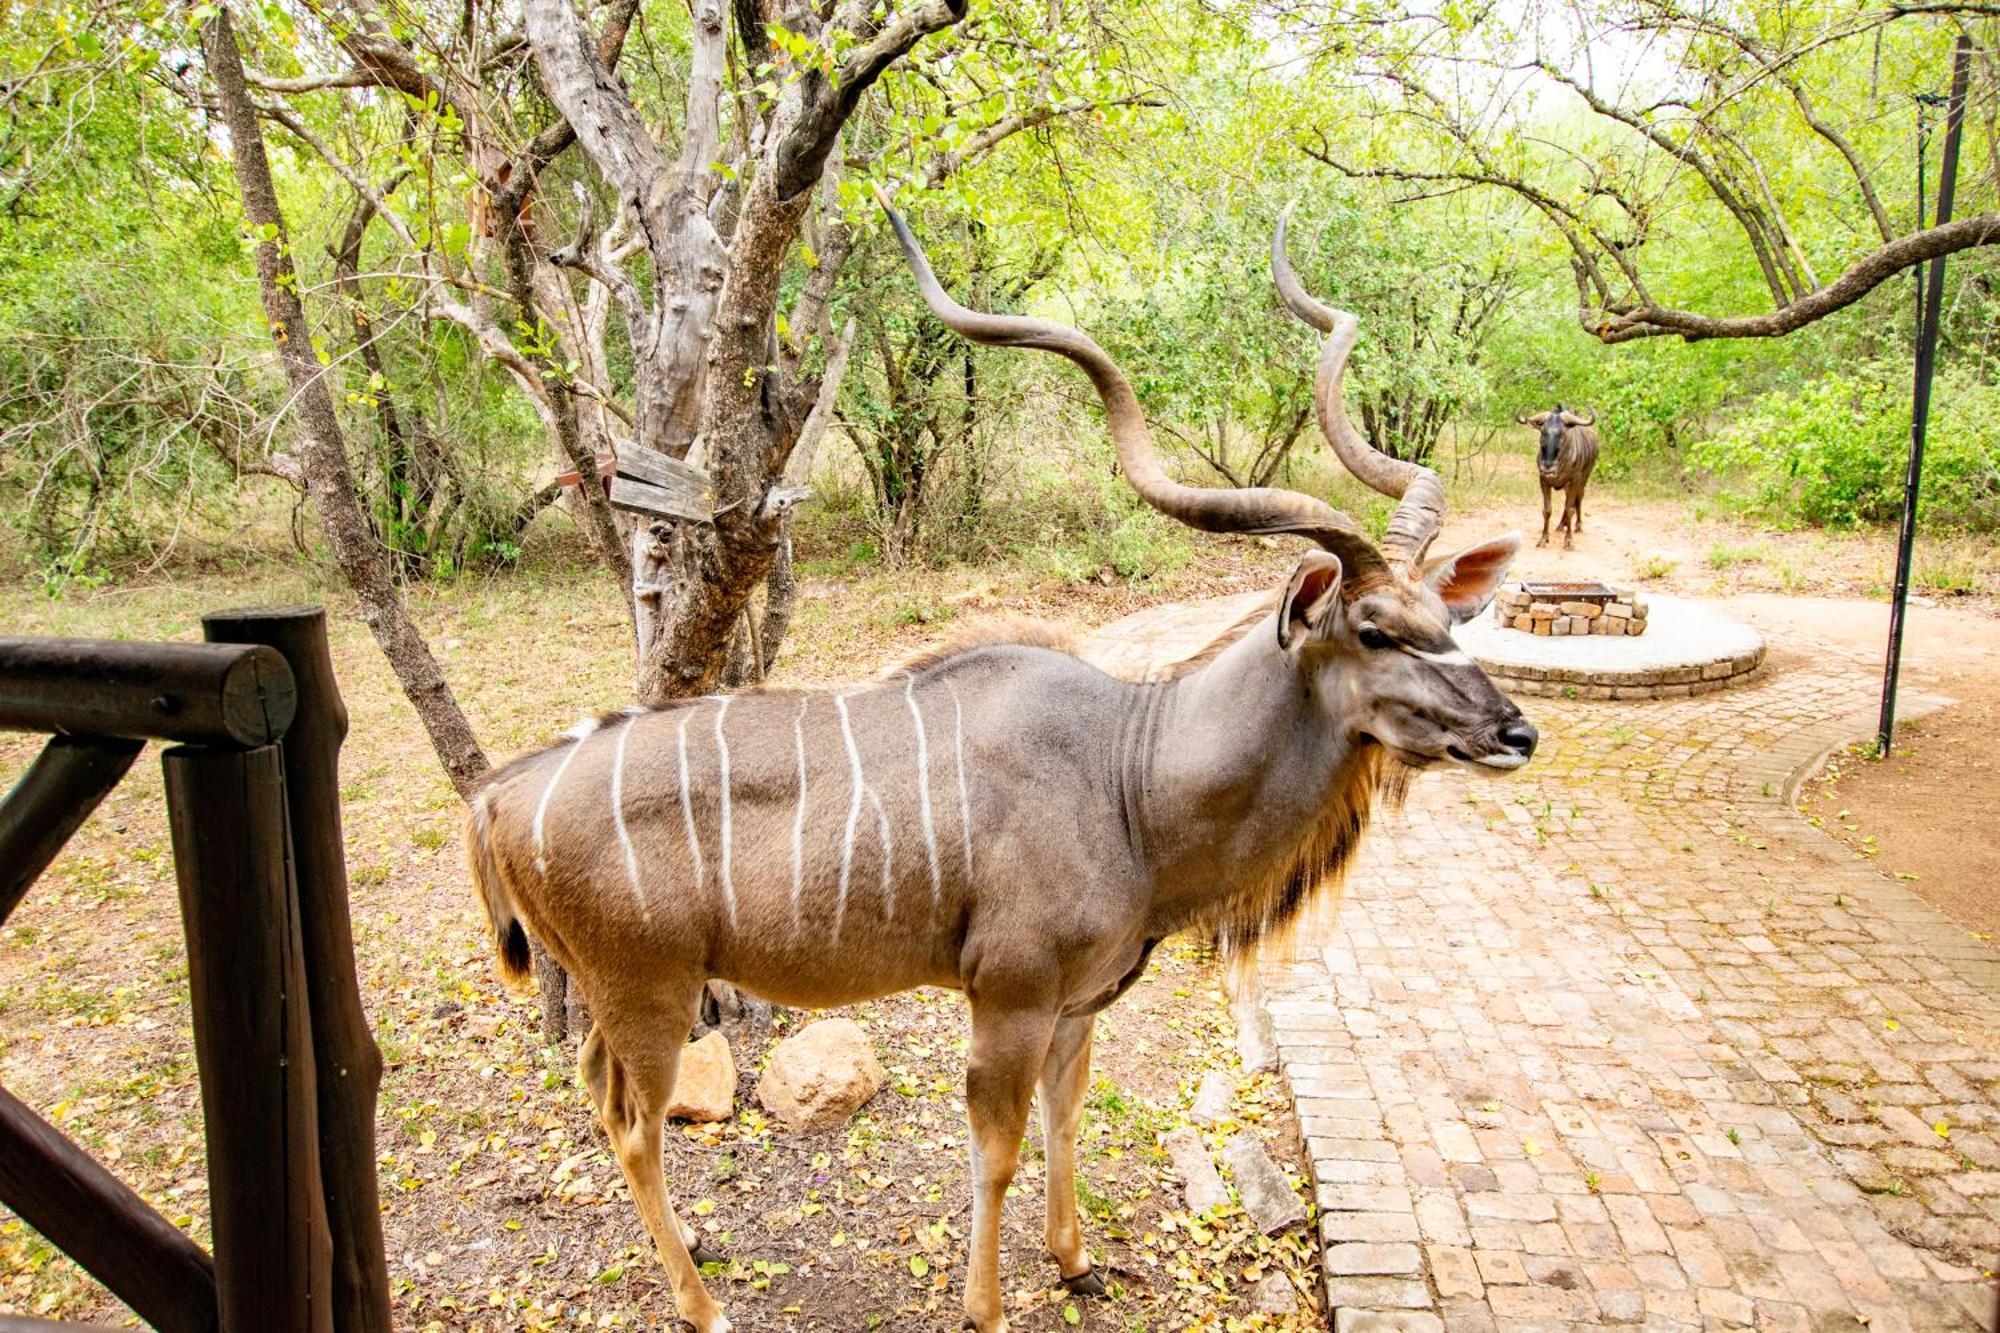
x=1564, y=463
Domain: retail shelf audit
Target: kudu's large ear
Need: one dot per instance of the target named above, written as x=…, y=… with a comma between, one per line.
x=1466, y=582
x=1311, y=594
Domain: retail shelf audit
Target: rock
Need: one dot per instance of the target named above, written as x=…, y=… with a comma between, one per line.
x=1266, y=1197
x=1273, y=1294
x=1212, y=1098
x=1256, y=1041
x=705, y=1087
x=1200, y=1181
x=820, y=1075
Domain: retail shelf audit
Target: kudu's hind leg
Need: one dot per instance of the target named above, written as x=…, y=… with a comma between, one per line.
x=628, y=1062
x=1009, y=1047
x=1065, y=1081
x=598, y=1068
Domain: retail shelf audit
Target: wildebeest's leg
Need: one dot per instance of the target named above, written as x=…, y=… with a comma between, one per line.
x=1572, y=519
x=1545, y=515
x=1065, y=1081
x=630, y=1074
x=1009, y=1046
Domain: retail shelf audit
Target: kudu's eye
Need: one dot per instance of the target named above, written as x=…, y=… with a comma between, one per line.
x=1374, y=638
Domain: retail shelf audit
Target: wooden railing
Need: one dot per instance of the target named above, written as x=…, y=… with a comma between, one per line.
x=288, y=1067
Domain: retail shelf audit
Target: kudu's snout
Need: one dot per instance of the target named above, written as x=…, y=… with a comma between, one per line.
x=1521, y=737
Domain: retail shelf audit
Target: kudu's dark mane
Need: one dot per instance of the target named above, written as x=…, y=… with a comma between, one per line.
x=1265, y=912
x=987, y=632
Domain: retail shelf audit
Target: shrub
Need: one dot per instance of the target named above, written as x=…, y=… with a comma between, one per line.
x=1833, y=452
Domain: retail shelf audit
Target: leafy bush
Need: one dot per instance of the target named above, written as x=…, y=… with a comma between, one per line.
x=1833, y=451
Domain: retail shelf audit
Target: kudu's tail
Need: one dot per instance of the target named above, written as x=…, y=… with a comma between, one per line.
x=510, y=938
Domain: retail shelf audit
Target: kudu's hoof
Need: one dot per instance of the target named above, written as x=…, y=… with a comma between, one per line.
x=1086, y=1283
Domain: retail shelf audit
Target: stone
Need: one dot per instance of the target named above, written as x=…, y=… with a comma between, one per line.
x=705, y=1086
x=820, y=1075
x=1364, y=1258
x=1619, y=610
x=1212, y=1098
x=1587, y=610
x=1266, y=1196
x=1201, y=1183
x=1559, y=626
x=1256, y=1040
x=1273, y=1294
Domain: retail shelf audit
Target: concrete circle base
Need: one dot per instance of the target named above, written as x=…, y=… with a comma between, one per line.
x=1686, y=649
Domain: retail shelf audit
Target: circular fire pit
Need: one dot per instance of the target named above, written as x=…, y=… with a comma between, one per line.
x=1679, y=648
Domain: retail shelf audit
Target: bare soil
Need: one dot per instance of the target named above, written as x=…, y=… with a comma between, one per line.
x=502, y=1209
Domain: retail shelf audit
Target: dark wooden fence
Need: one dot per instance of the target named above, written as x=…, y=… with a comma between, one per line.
x=289, y=1069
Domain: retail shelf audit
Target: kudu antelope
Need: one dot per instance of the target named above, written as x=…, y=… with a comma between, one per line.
x=998, y=816
x=1563, y=463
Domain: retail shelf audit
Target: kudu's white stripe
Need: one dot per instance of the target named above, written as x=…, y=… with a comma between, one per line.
x=853, y=813
x=924, y=791
x=722, y=759
x=888, y=857
x=799, y=816
x=964, y=800
x=618, y=819
x=687, y=807
x=542, y=806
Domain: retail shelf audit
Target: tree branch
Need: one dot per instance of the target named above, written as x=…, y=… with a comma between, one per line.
x=1862, y=277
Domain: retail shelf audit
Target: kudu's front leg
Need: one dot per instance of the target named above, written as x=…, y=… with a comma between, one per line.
x=1065, y=1082
x=1009, y=1046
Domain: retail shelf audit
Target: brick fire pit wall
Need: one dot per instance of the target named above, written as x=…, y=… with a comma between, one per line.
x=1570, y=608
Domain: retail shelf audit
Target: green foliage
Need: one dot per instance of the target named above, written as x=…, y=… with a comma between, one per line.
x=1833, y=450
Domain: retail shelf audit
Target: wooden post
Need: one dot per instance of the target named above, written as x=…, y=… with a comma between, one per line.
x=347, y=1062
x=253, y=1039
x=50, y=802
x=90, y=1215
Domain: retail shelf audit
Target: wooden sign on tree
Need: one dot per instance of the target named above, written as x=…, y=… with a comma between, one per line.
x=646, y=481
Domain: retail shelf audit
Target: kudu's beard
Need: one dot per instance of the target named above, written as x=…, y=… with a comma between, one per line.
x=1262, y=916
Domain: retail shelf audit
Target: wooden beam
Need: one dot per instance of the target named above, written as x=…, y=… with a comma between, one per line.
x=50, y=802
x=682, y=502
x=95, y=1218
x=200, y=693
x=348, y=1063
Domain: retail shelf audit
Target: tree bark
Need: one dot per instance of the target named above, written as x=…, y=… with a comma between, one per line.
x=322, y=446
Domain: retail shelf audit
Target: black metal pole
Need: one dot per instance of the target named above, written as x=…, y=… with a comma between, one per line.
x=1929, y=312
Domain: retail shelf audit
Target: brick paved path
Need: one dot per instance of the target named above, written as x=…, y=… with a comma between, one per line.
x=1623, y=1041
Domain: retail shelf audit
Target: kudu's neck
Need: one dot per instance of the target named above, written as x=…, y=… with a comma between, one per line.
x=1230, y=773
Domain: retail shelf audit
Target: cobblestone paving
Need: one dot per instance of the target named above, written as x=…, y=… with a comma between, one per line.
x=1624, y=1041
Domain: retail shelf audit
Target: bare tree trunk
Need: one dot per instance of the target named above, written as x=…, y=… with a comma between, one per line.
x=322, y=447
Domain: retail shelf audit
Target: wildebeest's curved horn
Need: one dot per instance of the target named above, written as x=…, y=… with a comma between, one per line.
x=1259, y=509
x=1537, y=421
x=1419, y=493
x=1572, y=419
